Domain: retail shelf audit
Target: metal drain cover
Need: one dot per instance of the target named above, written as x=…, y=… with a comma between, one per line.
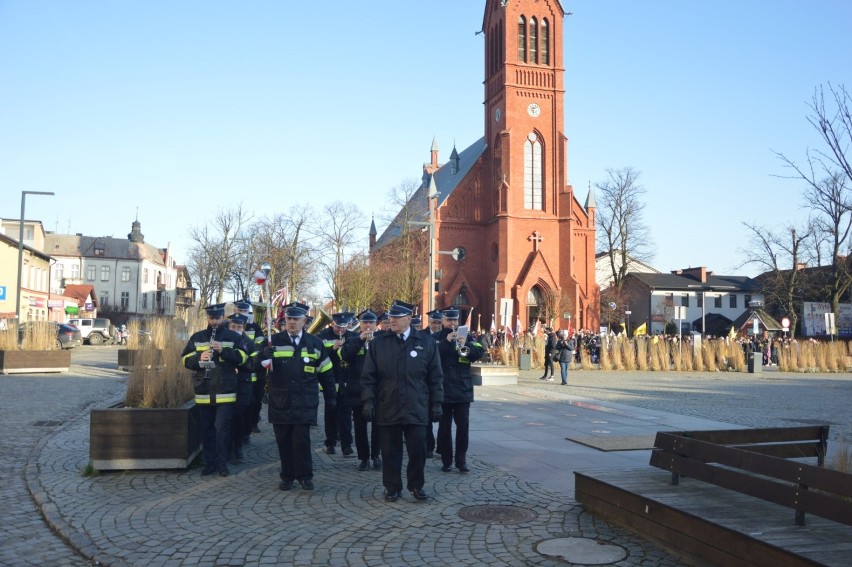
x=495, y=514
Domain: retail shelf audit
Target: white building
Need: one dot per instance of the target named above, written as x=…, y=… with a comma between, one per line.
x=129, y=275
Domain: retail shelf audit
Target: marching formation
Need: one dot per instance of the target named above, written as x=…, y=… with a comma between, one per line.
x=382, y=376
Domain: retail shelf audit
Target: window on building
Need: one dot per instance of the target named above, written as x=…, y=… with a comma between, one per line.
x=99, y=246
x=533, y=40
x=125, y=300
x=545, y=43
x=144, y=301
x=75, y=271
x=532, y=173
x=145, y=275
x=58, y=270
x=522, y=39
x=717, y=301
x=684, y=300
x=91, y=272
x=700, y=299
x=125, y=274
x=746, y=299
x=104, y=299
x=733, y=297
x=104, y=273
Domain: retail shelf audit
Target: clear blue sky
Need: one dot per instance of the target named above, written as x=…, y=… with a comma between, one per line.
x=180, y=108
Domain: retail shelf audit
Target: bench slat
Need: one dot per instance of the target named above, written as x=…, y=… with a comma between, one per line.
x=768, y=489
x=765, y=435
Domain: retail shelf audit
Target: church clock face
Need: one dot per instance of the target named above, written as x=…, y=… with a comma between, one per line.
x=534, y=110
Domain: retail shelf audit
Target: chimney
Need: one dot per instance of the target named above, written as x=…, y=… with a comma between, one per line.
x=698, y=274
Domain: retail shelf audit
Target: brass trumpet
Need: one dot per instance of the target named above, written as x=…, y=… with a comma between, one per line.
x=461, y=339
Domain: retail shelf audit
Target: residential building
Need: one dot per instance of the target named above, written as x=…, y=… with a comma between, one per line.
x=603, y=267
x=35, y=275
x=705, y=300
x=130, y=277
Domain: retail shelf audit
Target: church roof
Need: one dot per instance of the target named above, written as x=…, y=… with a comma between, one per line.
x=445, y=181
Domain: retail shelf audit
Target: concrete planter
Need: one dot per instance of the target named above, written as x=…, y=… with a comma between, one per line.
x=493, y=375
x=34, y=361
x=123, y=438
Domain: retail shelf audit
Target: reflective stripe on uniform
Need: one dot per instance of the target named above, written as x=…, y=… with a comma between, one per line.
x=208, y=399
x=254, y=377
x=325, y=365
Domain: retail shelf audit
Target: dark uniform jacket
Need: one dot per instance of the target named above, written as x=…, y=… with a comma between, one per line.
x=340, y=367
x=353, y=352
x=402, y=380
x=295, y=378
x=216, y=385
x=458, y=382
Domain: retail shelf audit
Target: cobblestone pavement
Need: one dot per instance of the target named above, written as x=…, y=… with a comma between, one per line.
x=166, y=518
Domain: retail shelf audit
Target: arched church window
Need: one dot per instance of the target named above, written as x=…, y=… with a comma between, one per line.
x=535, y=304
x=532, y=172
x=533, y=41
x=545, y=43
x=522, y=39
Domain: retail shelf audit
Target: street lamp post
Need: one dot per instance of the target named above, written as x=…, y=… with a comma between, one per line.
x=21, y=249
x=628, y=312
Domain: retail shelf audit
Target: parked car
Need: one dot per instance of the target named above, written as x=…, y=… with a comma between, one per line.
x=67, y=336
x=97, y=331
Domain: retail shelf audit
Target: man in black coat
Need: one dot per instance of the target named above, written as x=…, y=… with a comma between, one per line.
x=400, y=384
x=353, y=352
x=298, y=366
x=214, y=354
x=457, y=354
x=337, y=425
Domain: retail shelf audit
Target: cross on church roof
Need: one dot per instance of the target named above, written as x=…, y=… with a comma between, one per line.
x=536, y=239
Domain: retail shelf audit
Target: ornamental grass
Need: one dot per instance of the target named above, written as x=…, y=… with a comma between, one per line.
x=37, y=335
x=157, y=377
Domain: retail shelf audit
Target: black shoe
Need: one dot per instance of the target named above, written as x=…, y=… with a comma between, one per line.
x=365, y=465
x=307, y=484
x=208, y=470
x=419, y=494
x=285, y=485
x=246, y=439
x=330, y=450
x=377, y=464
x=391, y=496
x=463, y=468
x=238, y=457
x=223, y=470
x=255, y=429
x=447, y=468
x=347, y=451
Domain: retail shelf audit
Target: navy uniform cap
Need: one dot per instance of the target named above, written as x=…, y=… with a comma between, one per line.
x=400, y=309
x=309, y=320
x=383, y=317
x=295, y=309
x=368, y=316
x=216, y=311
x=451, y=313
x=343, y=318
x=435, y=315
x=242, y=305
x=416, y=321
x=238, y=319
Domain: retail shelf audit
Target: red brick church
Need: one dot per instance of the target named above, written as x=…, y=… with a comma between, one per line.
x=505, y=201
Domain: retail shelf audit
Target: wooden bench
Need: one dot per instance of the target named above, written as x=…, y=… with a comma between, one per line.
x=763, y=463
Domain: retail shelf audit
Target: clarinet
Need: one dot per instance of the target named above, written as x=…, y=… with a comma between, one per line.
x=207, y=365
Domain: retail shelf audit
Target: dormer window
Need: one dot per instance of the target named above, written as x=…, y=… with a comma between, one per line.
x=99, y=246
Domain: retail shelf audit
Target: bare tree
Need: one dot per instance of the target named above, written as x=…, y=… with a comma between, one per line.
x=401, y=265
x=286, y=241
x=622, y=234
x=216, y=251
x=555, y=302
x=340, y=227
x=356, y=282
x=828, y=176
x=779, y=255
